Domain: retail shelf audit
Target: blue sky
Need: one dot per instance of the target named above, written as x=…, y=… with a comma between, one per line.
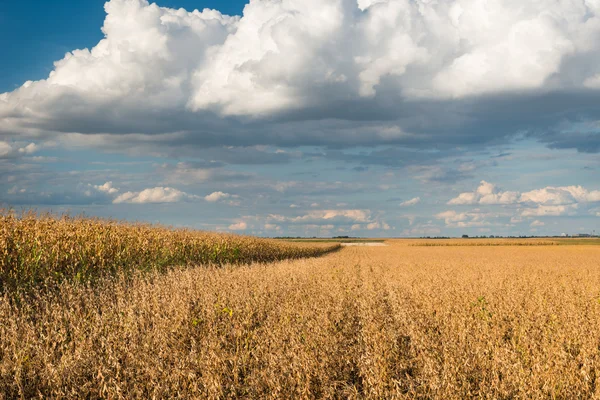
x=383, y=118
x=36, y=33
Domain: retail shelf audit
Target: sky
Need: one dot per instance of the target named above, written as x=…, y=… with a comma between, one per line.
x=378, y=118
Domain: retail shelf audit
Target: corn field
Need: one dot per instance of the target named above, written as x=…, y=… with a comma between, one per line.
x=41, y=248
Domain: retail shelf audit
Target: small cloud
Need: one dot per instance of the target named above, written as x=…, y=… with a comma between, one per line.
x=411, y=202
x=29, y=149
x=8, y=151
x=240, y=226
x=537, y=223
x=154, y=195
x=221, y=197
x=106, y=188
x=378, y=225
x=217, y=196
x=5, y=149
x=272, y=227
x=471, y=219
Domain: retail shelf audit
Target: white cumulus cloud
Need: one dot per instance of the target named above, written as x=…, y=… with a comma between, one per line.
x=216, y=196
x=166, y=71
x=561, y=195
x=153, y=195
x=489, y=194
x=486, y=193
x=106, y=188
x=29, y=149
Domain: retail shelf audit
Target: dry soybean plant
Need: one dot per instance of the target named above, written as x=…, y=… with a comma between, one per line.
x=484, y=242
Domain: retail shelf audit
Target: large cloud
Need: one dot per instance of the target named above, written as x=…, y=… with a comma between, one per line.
x=488, y=193
x=549, y=211
x=153, y=195
x=292, y=72
x=548, y=201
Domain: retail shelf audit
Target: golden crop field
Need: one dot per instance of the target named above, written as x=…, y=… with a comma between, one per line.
x=36, y=249
x=402, y=321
